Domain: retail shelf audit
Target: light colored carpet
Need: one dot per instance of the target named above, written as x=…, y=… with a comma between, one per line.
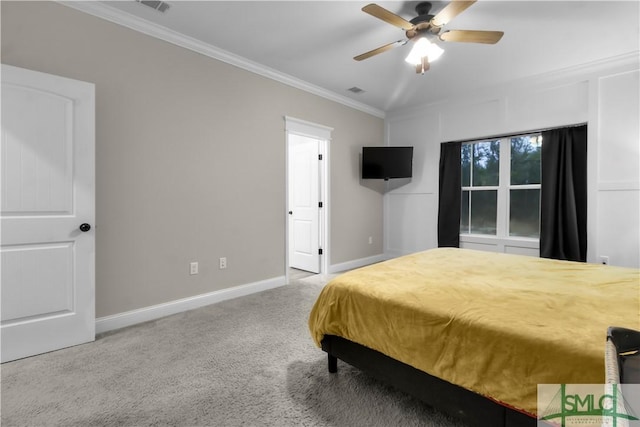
x=243, y=362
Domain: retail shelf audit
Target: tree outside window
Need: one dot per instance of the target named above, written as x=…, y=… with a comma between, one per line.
x=501, y=175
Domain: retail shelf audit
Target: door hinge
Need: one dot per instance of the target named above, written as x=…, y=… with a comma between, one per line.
x=319, y=204
x=319, y=156
x=320, y=251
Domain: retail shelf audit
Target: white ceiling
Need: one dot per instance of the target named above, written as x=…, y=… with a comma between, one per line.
x=315, y=41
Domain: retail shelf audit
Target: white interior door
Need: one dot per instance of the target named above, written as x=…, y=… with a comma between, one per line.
x=48, y=279
x=304, y=198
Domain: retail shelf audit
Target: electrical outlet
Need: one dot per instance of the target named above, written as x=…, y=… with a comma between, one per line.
x=370, y=240
x=193, y=268
x=604, y=260
x=223, y=263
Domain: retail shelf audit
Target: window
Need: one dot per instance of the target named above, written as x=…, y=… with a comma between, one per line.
x=501, y=187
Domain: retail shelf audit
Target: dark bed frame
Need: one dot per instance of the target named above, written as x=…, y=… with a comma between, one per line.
x=475, y=410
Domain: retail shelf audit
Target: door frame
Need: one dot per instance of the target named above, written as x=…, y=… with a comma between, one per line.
x=323, y=135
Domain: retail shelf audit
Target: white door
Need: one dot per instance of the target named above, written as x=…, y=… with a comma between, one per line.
x=48, y=279
x=304, y=199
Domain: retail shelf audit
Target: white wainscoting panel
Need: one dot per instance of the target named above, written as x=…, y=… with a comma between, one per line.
x=618, y=160
x=414, y=219
x=487, y=247
x=548, y=107
x=516, y=246
x=618, y=227
x=520, y=250
x=618, y=131
x=465, y=121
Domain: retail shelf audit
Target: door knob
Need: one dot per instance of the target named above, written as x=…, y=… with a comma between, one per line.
x=85, y=227
x=290, y=212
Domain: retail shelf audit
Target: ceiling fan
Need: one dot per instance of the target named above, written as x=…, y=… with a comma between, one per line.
x=424, y=29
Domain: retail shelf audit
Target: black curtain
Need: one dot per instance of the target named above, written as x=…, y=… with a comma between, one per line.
x=563, y=195
x=450, y=192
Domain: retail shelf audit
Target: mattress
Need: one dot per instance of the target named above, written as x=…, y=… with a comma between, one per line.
x=495, y=324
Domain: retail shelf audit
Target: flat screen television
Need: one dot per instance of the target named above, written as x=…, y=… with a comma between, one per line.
x=387, y=162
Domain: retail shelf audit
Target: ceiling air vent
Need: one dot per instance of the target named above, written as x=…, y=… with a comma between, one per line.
x=160, y=6
x=355, y=89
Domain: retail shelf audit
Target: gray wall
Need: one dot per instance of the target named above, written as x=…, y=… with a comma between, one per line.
x=190, y=158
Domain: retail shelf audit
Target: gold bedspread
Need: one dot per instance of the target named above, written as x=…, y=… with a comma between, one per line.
x=495, y=324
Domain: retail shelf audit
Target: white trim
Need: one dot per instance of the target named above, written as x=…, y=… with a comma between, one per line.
x=356, y=263
x=103, y=11
x=306, y=128
x=504, y=195
x=593, y=143
x=325, y=198
x=133, y=317
x=618, y=186
x=524, y=242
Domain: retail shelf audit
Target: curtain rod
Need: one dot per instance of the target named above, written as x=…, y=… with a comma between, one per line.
x=511, y=135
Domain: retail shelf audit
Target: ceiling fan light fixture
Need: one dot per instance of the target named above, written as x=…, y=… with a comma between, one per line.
x=421, y=48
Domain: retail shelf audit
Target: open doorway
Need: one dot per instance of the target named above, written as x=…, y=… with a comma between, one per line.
x=307, y=190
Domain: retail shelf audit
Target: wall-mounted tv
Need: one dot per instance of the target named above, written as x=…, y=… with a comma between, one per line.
x=387, y=162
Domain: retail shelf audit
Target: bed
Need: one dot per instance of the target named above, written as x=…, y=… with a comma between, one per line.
x=472, y=333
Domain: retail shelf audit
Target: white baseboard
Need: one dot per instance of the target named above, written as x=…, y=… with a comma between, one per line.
x=133, y=317
x=121, y=320
x=356, y=263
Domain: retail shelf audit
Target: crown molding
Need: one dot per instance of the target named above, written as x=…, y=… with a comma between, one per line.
x=108, y=13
